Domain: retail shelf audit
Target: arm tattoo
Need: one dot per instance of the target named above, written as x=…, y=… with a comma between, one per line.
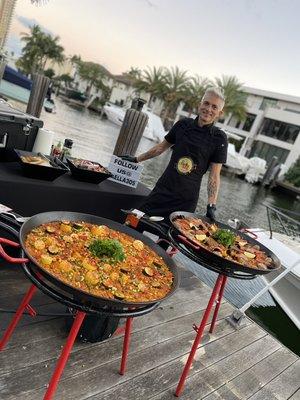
x=212, y=188
x=149, y=154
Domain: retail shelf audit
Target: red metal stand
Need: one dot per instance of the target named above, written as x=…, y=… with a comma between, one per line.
x=126, y=345
x=219, y=300
x=73, y=332
x=64, y=355
x=216, y=293
x=24, y=304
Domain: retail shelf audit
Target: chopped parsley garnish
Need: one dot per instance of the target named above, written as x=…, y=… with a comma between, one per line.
x=109, y=248
x=224, y=237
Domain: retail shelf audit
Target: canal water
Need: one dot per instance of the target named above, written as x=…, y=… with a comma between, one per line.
x=94, y=139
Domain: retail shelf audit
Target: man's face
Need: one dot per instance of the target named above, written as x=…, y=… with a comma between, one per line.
x=210, y=109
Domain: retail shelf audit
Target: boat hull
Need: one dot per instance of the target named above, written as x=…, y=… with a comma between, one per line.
x=287, y=290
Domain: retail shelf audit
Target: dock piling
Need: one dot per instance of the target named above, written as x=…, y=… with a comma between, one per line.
x=38, y=93
x=132, y=129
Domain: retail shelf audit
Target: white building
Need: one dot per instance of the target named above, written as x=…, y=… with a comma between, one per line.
x=6, y=13
x=123, y=92
x=271, y=128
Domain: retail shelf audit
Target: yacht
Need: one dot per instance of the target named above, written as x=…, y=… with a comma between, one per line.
x=286, y=289
x=154, y=129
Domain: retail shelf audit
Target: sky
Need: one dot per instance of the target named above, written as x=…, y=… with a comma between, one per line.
x=255, y=40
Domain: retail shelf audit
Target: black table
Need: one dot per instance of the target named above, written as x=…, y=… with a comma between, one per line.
x=29, y=196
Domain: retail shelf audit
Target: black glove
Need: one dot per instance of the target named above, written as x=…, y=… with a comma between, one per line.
x=210, y=212
x=129, y=158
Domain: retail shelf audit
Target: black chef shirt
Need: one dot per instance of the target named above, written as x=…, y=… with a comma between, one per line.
x=194, y=148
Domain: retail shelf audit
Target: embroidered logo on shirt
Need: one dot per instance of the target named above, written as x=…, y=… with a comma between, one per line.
x=185, y=165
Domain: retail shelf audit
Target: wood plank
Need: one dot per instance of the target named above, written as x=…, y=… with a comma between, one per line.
x=40, y=330
x=253, y=379
x=167, y=374
x=282, y=387
x=52, y=308
x=296, y=395
x=38, y=354
x=200, y=384
x=97, y=368
x=166, y=311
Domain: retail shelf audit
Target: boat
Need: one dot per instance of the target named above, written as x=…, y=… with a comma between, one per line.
x=253, y=168
x=49, y=106
x=286, y=291
x=235, y=162
x=154, y=129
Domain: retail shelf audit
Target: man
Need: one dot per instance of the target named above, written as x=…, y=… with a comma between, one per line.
x=197, y=146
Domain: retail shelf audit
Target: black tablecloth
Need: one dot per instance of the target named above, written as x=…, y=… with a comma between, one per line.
x=31, y=196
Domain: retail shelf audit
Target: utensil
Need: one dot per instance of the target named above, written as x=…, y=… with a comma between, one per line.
x=18, y=219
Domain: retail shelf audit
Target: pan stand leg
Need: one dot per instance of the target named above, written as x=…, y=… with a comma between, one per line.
x=219, y=300
x=126, y=345
x=198, y=338
x=17, y=316
x=64, y=355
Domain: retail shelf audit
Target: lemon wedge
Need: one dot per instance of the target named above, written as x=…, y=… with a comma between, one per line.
x=200, y=237
x=249, y=255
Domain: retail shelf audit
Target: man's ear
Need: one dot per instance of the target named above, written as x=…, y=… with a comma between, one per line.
x=221, y=113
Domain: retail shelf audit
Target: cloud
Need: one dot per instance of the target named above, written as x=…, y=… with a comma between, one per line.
x=29, y=22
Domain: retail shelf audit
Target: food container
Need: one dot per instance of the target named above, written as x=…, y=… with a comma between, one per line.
x=40, y=166
x=87, y=171
x=18, y=130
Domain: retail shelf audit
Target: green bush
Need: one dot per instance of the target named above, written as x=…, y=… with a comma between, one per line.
x=293, y=174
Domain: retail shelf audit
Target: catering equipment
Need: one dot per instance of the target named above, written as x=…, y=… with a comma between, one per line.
x=214, y=260
x=18, y=130
x=39, y=166
x=87, y=171
x=84, y=303
x=224, y=268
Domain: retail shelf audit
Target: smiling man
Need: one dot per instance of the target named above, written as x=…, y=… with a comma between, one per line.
x=197, y=146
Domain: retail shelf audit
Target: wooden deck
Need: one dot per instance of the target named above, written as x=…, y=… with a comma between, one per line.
x=244, y=364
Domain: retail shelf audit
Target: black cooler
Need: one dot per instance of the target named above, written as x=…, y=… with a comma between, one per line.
x=17, y=131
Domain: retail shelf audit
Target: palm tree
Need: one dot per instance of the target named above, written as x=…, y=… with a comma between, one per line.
x=195, y=91
x=174, y=90
x=91, y=72
x=152, y=81
x=134, y=72
x=235, y=103
x=39, y=47
x=31, y=53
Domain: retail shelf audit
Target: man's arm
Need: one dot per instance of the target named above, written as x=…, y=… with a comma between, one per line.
x=154, y=151
x=213, y=183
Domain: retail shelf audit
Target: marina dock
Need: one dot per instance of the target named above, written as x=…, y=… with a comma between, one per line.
x=230, y=364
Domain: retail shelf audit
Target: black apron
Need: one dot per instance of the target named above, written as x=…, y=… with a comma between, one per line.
x=178, y=188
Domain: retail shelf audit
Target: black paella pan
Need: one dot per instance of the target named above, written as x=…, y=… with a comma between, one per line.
x=222, y=263
x=45, y=217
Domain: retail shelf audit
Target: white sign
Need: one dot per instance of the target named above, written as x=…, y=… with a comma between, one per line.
x=124, y=172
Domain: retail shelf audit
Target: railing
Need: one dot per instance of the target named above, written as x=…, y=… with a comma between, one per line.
x=289, y=220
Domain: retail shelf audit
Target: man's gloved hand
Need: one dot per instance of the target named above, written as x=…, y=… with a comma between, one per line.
x=129, y=158
x=210, y=212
